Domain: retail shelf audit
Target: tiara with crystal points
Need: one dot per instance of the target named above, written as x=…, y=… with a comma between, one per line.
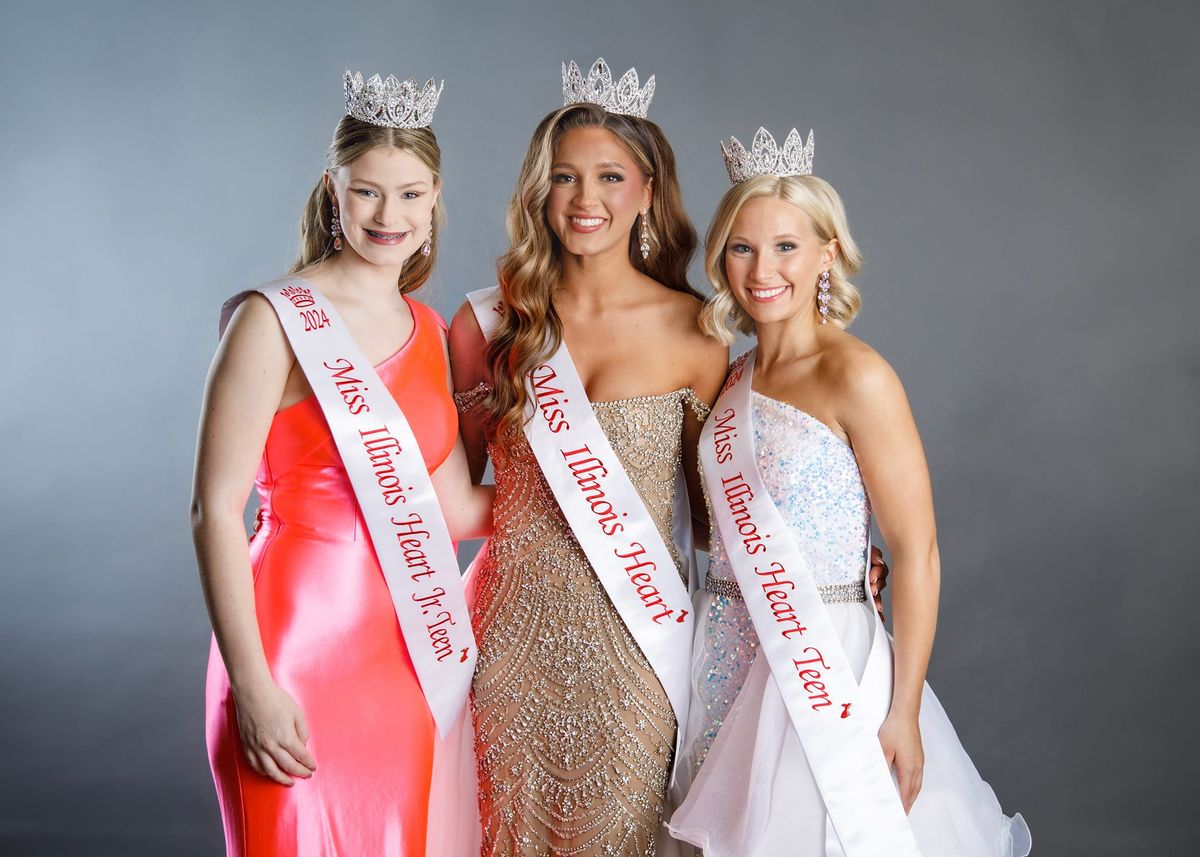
x=622, y=97
x=765, y=158
x=391, y=103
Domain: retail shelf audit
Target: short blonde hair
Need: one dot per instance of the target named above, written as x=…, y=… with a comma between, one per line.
x=816, y=198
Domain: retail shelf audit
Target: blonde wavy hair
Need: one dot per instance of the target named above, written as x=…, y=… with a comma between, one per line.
x=530, y=329
x=353, y=138
x=816, y=198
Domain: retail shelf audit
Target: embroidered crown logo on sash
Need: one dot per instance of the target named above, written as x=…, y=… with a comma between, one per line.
x=300, y=296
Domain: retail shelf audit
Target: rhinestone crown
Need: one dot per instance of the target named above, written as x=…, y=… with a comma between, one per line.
x=622, y=97
x=765, y=158
x=391, y=103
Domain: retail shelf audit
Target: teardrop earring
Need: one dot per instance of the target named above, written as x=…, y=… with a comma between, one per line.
x=427, y=247
x=645, y=246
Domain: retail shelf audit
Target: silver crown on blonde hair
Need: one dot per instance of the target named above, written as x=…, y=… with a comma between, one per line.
x=622, y=97
x=765, y=158
x=391, y=103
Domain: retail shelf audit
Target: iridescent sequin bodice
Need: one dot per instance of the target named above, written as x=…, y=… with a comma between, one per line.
x=813, y=477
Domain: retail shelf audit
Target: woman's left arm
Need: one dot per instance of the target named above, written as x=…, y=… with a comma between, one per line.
x=875, y=413
x=708, y=376
x=466, y=506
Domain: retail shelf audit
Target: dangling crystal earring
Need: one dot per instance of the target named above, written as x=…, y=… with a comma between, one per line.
x=427, y=247
x=823, y=296
x=335, y=229
x=645, y=248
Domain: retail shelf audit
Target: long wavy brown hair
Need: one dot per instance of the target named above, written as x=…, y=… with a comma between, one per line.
x=353, y=138
x=530, y=329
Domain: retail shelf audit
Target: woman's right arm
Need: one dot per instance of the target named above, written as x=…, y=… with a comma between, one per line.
x=468, y=367
x=244, y=388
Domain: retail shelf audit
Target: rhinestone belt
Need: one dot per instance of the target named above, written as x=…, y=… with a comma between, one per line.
x=833, y=593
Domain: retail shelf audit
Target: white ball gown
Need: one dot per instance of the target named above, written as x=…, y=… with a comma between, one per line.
x=751, y=789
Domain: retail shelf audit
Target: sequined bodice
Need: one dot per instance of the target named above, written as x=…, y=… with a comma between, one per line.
x=645, y=434
x=573, y=729
x=813, y=477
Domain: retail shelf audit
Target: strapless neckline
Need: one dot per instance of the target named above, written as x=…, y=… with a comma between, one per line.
x=809, y=418
x=650, y=398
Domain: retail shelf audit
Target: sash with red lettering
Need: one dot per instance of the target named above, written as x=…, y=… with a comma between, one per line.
x=394, y=493
x=606, y=513
x=836, y=717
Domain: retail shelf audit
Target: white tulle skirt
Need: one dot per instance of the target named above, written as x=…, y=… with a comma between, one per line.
x=755, y=793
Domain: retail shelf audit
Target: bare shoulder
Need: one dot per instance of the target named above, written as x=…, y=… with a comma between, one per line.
x=254, y=359
x=465, y=326
x=254, y=325
x=707, y=358
x=679, y=306
x=861, y=378
x=256, y=310
x=678, y=313
x=468, y=348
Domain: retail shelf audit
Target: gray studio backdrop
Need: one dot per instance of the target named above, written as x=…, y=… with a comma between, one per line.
x=1022, y=176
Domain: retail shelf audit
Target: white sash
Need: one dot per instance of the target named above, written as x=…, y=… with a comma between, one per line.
x=836, y=718
x=606, y=513
x=393, y=490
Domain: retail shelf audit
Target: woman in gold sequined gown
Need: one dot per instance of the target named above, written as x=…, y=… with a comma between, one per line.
x=574, y=734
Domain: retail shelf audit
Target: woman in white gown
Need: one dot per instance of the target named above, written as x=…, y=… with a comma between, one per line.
x=833, y=439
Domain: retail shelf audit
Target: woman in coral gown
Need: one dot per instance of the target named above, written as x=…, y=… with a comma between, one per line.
x=319, y=736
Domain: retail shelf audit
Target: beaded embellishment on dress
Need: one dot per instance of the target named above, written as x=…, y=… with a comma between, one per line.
x=468, y=399
x=831, y=593
x=574, y=734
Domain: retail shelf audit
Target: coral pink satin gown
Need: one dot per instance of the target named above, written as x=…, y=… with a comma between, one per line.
x=333, y=642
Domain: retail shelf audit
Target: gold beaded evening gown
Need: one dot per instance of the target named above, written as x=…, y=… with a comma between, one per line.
x=574, y=733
